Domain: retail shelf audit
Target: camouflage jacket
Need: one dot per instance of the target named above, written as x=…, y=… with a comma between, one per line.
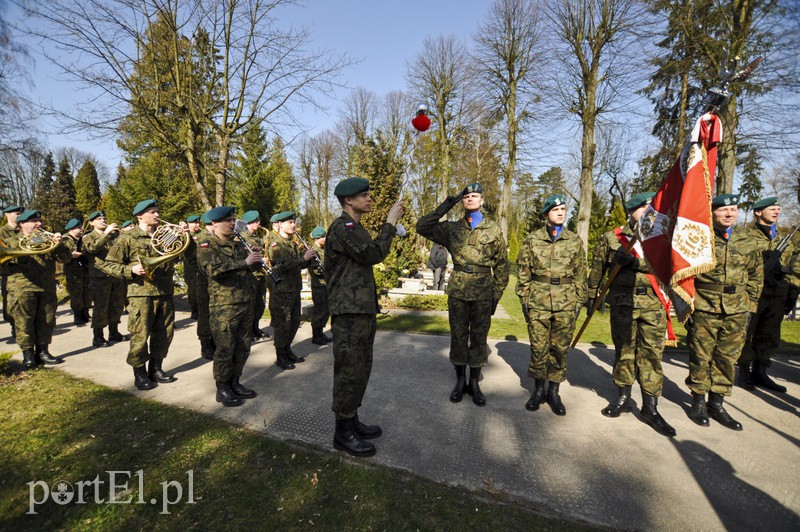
x=126, y=252
x=739, y=267
x=775, y=282
x=552, y=275
x=6, y=232
x=203, y=236
x=483, y=246
x=34, y=273
x=190, y=266
x=623, y=291
x=75, y=265
x=317, y=274
x=350, y=254
x=95, y=248
x=288, y=263
x=230, y=279
x=257, y=244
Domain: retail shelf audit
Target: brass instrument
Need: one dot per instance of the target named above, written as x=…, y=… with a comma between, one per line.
x=169, y=241
x=264, y=264
x=36, y=243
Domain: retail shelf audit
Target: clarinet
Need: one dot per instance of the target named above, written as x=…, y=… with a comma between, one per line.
x=308, y=248
x=273, y=276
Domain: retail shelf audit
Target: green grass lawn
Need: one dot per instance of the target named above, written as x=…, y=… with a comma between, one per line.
x=58, y=428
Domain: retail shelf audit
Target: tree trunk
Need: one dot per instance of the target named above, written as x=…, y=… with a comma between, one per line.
x=511, y=163
x=222, y=170
x=587, y=165
x=726, y=152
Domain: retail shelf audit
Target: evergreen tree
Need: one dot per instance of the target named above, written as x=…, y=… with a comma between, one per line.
x=44, y=183
x=62, y=199
x=545, y=185
x=87, y=189
x=751, y=168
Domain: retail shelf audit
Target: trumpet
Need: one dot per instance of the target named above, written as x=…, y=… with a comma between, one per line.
x=270, y=272
x=37, y=242
x=169, y=241
x=308, y=248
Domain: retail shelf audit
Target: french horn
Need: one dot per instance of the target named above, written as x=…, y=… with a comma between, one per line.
x=169, y=241
x=37, y=242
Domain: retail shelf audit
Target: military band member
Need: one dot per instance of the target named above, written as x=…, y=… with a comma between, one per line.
x=229, y=267
x=724, y=297
x=151, y=312
x=551, y=287
x=638, y=318
x=207, y=346
x=764, y=328
x=350, y=254
x=11, y=213
x=107, y=293
x=127, y=225
x=190, y=264
x=76, y=273
x=288, y=261
x=253, y=221
x=32, y=296
x=319, y=292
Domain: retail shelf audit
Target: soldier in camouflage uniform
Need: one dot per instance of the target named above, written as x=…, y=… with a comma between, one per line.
x=190, y=264
x=32, y=296
x=107, y=293
x=229, y=269
x=724, y=297
x=11, y=213
x=480, y=274
x=288, y=261
x=350, y=254
x=76, y=273
x=151, y=311
x=551, y=287
x=319, y=292
x=207, y=346
x=638, y=318
x=764, y=327
x=253, y=221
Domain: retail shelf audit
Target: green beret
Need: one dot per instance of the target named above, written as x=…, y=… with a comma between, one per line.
x=474, y=188
x=143, y=206
x=29, y=215
x=724, y=200
x=251, y=216
x=220, y=213
x=763, y=203
x=318, y=232
x=553, y=201
x=351, y=186
x=638, y=200
x=192, y=219
x=126, y=223
x=13, y=208
x=72, y=224
x=96, y=214
x=204, y=218
x=283, y=216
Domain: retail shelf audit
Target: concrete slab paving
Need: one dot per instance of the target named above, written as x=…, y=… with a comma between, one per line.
x=613, y=472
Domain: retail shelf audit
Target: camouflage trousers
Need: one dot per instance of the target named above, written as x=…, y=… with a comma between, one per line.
x=190, y=276
x=638, y=336
x=108, y=295
x=34, y=316
x=6, y=309
x=232, y=330
x=353, y=338
x=714, y=347
x=284, y=308
x=469, y=327
x=320, y=312
x=260, y=303
x=764, y=331
x=153, y=318
x=550, y=334
x=203, y=320
x=78, y=289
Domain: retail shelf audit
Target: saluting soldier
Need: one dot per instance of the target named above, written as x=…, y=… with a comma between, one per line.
x=724, y=297
x=764, y=328
x=76, y=273
x=11, y=213
x=639, y=319
x=480, y=274
x=32, y=296
x=229, y=269
x=253, y=221
x=288, y=261
x=350, y=255
x=319, y=292
x=151, y=312
x=551, y=287
x=190, y=264
x=207, y=346
x=107, y=293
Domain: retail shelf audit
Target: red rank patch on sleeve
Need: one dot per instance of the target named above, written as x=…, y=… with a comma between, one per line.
x=349, y=225
x=274, y=244
x=204, y=245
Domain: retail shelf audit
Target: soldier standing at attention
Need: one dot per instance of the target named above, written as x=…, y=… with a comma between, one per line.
x=253, y=221
x=207, y=346
x=151, y=313
x=764, y=328
x=228, y=267
x=76, y=273
x=350, y=254
x=638, y=318
x=190, y=264
x=319, y=292
x=724, y=297
x=107, y=293
x=551, y=287
x=480, y=274
x=287, y=262
x=11, y=227
x=32, y=293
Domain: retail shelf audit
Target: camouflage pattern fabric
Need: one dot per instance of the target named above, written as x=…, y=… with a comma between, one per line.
x=260, y=302
x=6, y=232
x=106, y=292
x=550, y=334
x=353, y=338
x=319, y=292
x=284, y=309
x=287, y=262
x=203, y=321
x=125, y=253
x=469, y=328
x=190, y=272
x=76, y=274
x=150, y=317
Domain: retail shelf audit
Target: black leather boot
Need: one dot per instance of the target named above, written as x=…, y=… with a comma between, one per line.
x=651, y=416
x=77, y=318
x=258, y=334
x=346, y=439
x=226, y=396
x=29, y=359
x=114, y=334
x=364, y=431
x=620, y=405
x=141, y=380
x=474, y=388
x=718, y=413
x=698, y=411
x=282, y=361
x=554, y=399
x=745, y=379
x=461, y=384
x=44, y=356
x=294, y=359
x=760, y=378
x=157, y=374
x=538, y=395
x=86, y=316
x=317, y=337
x=99, y=340
x=207, y=348
x=240, y=390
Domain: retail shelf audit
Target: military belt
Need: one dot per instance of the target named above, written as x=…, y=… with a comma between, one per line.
x=715, y=287
x=471, y=268
x=552, y=280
